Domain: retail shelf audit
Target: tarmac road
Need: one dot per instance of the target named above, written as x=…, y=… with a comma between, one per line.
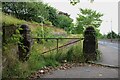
x=109, y=52
x=84, y=72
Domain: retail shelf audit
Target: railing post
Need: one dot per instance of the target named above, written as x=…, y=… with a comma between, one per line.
x=90, y=44
x=25, y=43
x=57, y=45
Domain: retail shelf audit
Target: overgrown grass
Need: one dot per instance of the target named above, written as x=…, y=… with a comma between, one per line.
x=10, y=20
x=72, y=53
x=14, y=68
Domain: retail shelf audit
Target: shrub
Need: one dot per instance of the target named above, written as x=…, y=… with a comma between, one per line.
x=48, y=23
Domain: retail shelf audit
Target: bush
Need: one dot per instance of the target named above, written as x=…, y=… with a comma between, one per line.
x=48, y=23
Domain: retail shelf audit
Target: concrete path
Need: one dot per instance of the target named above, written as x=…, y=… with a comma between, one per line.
x=84, y=72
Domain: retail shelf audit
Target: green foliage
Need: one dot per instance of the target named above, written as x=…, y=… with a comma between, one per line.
x=65, y=22
x=87, y=17
x=104, y=36
x=8, y=20
x=39, y=32
x=50, y=59
x=75, y=53
x=98, y=34
x=38, y=12
x=48, y=23
x=112, y=34
x=52, y=15
x=16, y=69
x=12, y=67
x=26, y=10
x=36, y=59
x=12, y=70
x=15, y=38
x=70, y=54
x=43, y=32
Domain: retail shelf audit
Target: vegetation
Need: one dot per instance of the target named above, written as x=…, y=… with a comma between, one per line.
x=87, y=17
x=112, y=34
x=14, y=68
x=44, y=22
x=37, y=12
x=109, y=35
x=26, y=10
x=65, y=22
x=10, y=20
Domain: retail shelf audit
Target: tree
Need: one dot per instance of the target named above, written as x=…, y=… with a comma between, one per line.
x=26, y=10
x=37, y=11
x=98, y=34
x=52, y=15
x=113, y=34
x=64, y=22
x=87, y=17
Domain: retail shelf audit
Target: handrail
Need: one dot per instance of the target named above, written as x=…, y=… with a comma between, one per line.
x=57, y=38
x=57, y=43
x=61, y=46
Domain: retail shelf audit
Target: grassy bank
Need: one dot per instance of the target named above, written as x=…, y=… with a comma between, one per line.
x=14, y=68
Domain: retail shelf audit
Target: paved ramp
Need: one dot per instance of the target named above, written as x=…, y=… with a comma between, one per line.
x=84, y=72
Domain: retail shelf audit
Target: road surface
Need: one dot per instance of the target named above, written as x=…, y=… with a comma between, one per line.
x=109, y=52
x=84, y=72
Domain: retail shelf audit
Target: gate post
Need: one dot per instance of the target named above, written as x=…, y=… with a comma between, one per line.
x=25, y=43
x=57, y=46
x=89, y=44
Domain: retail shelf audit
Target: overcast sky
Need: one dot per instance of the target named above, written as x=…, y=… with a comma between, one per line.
x=108, y=7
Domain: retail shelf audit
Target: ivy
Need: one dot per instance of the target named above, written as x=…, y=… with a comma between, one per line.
x=15, y=38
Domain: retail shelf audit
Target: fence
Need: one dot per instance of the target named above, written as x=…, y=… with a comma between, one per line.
x=60, y=49
x=74, y=40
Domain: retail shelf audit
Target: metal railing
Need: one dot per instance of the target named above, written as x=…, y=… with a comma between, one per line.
x=75, y=40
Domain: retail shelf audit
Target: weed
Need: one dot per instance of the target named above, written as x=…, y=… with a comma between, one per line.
x=98, y=54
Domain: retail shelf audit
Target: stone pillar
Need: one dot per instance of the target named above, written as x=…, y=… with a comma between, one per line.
x=25, y=43
x=89, y=44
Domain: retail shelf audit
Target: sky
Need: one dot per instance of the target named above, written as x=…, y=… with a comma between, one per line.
x=108, y=7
